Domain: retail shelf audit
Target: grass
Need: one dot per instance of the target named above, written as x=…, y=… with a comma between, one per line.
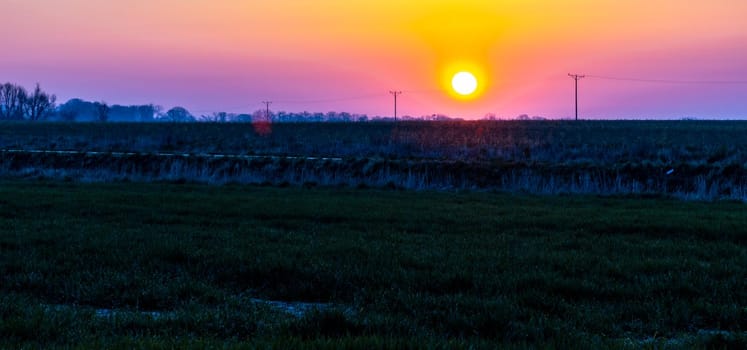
x=702, y=160
x=185, y=265
x=559, y=142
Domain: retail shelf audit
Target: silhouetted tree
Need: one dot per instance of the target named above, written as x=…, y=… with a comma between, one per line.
x=12, y=101
x=39, y=104
x=261, y=115
x=68, y=114
x=179, y=114
x=82, y=110
x=102, y=111
x=158, y=112
x=146, y=113
x=344, y=117
x=243, y=118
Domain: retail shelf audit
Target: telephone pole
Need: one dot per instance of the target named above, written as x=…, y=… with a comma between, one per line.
x=395, y=94
x=576, y=78
x=267, y=109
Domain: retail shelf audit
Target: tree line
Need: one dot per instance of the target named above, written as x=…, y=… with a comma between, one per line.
x=16, y=103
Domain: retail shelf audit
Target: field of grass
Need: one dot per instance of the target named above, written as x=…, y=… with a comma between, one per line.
x=133, y=265
x=560, y=142
x=704, y=160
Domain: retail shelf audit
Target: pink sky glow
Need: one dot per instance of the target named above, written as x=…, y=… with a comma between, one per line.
x=335, y=55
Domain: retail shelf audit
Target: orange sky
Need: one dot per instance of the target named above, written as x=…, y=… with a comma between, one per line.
x=321, y=55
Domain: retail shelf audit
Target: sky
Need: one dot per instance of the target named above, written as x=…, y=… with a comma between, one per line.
x=346, y=55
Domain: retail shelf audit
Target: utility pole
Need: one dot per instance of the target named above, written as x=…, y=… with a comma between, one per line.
x=267, y=109
x=395, y=94
x=576, y=78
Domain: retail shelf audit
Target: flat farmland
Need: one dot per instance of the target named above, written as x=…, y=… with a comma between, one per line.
x=703, y=160
x=160, y=265
x=512, y=234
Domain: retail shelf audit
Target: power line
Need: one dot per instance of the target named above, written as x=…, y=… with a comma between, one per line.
x=226, y=109
x=310, y=101
x=339, y=99
x=426, y=91
x=670, y=81
x=323, y=100
x=395, y=94
x=576, y=78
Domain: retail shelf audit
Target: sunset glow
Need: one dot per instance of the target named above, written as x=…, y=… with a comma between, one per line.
x=342, y=55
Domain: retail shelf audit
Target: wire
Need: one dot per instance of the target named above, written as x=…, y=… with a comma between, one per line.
x=339, y=99
x=428, y=91
x=325, y=100
x=229, y=109
x=667, y=81
x=433, y=91
x=307, y=101
x=357, y=97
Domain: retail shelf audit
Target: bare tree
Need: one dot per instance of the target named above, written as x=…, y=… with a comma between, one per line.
x=39, y=104
x=12, y=101
x=102, y=111
x=221, y=116
x=208, y=118
x=216, y=117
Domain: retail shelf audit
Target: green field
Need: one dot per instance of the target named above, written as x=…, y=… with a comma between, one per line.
x=568, y=142
x=701, y=160
x=133, y=265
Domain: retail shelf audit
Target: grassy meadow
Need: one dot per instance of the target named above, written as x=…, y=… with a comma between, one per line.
x=512, y=234
x=702, y=160
x=163, y=265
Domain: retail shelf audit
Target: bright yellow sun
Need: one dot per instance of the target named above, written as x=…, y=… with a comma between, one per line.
x=464, y=83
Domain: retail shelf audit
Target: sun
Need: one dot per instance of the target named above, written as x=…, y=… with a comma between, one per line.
x=464, y=83
x=464, y=80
